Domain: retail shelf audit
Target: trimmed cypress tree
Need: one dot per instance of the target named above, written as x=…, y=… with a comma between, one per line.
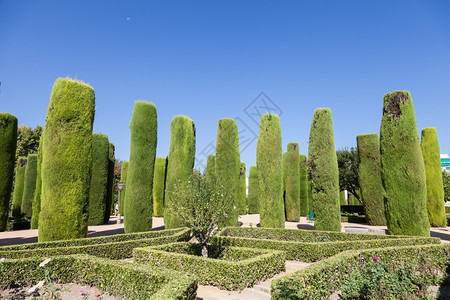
x=66, y=161
x=242, y=191
x=99, y=179
x=110, y=184
x=138, y=209
x=369, y=173
x=402, y=168
x=292, y=170
x=323, y=172
x=270, y=172
x=123, y=179
x=253, y=191
x=435, y=187
x=29, y=185
x=303, y=186
x=159, y=184
x=227, y=163
x=37, y=193
x=180, y=163
x=210, y=166
x=8, y=142
x=342, y=198
x=19, y=181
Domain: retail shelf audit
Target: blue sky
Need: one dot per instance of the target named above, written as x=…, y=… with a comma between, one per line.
x=212, y=59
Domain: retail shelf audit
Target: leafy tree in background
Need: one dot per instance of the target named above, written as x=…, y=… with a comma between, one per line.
x=27, y=140
x=348, y=164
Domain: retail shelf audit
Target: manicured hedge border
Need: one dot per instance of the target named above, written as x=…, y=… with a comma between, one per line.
x=243, y=267
x=123, y=279
x=113, y=247
x=321, y=279
x=311, y=246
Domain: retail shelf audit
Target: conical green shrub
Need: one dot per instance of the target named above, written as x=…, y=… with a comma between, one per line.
x=435, y=187
x=110, y=189
x=369, y=176
x=242, y=191
x=402, y=168
x=8, y=142
x=253, y=191
x=270, y=172
x=19, y=181
x=123, y=179
x=323, y=172
x=292, y=170
x=37, y=193
x=29, y=185
x=303, y=186
x=66, y=161
x=138, y=208
x=159, y=184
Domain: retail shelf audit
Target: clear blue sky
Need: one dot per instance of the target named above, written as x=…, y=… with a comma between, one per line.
x=210, y=59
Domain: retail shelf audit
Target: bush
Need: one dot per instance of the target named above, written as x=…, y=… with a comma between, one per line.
x=303, y=186
x=110, y=188
x=402, y=168
x=435, y=187
x=139, y=195
x=180, y=163
x=270, y=171
x=370, y=178
x=242, y=191
x=323, y=172
x=8, y=136
x=123, y=179
x=19, y=181
x=253, y=191
x=66, y=161
x=99, y=179
x=292, y=196
x=37, y=193
x=211, y=166
x=29, y=185
x=159, y=184
x=231, y=268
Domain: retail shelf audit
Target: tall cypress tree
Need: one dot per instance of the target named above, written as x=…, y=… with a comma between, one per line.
x=292, y=177
x=8, y=142
x=402, y=168
x=18, y=186
x=253, y=191
x=29, y=185
x=138, y=209
x=242, y=190
x=270, y=171
x=211, y=166
x=37, y=193
x=123, y=179
x=435, y=187
x=110, y=183
x=323, y=172
x=159, y=184
x=303, y=186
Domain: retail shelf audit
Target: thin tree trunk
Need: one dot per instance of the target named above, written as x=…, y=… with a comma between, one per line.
x=204, y=250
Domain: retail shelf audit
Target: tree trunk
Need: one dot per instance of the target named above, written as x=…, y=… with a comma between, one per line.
x=204, y=250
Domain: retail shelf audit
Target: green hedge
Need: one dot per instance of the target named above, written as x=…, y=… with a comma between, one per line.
x=159, y=185
x=310, y=246
x=402, y=167
x=292, y=196
x=253, y=191
x=29, y=185
x=210, y=166
x=138, y=209
x=242, y=191
x=37, y=193
x=321, y=279
x=303, y=185
x=227, y=163
x=227, y=268
x=113, y=247
x=369, y=175
x=99, y=179
x=270, y=172
x=118, y=278
x=110, y=188
x=8, y=138
x=19, y=181
x=180, y=162
x=123, y=178
x=435, y=187
x=323, y=172
x=66, y=161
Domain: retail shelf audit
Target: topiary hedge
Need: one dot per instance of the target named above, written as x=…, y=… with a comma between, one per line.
x=210, y=166
x=323, y=172
x=19, y=181
x=66, y=161
x=402, y=167
x=253, y=191
x=369, y=173
x=270, y=172
x=37, y=193
x=138, y=208
x=123, y=179
x=29, y=185
x=8, y=138
x=242, y=190
x=110, y=188
x=292, y=196
x=321, y=279
x=303, y=186
x=118, y=278
x=159, y=184
x=227, y=268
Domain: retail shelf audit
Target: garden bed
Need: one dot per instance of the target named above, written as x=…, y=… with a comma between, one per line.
x=228, y=268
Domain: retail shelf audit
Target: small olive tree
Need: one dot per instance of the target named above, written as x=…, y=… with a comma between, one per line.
x=202, y=203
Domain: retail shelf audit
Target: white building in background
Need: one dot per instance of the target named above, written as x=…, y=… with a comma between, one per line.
x=445, y=162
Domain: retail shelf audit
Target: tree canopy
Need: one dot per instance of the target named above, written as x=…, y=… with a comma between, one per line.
x=348, y=163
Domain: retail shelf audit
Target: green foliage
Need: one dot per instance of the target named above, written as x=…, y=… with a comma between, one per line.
x=118, y=278
x=270, y=172
x=138, y=208
x=29, y=185
x=348, y=165
x=37, y=193
x=323, y=172
x=446, y=184
x=369, y=172
x=99, y=179
x=27, y=140
x=159, y=185
x=253, y=191
x=242, y=191
x=8, y=138
x=230, y=268
x=211, y=166
x=123, y=178
x=304, y=186
x=227, y=165
x=18, y=187
x=435, y=187
x=66, y=161
x=292, y=171
x=402, y=168
x=110, y=188
x=342, y=198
